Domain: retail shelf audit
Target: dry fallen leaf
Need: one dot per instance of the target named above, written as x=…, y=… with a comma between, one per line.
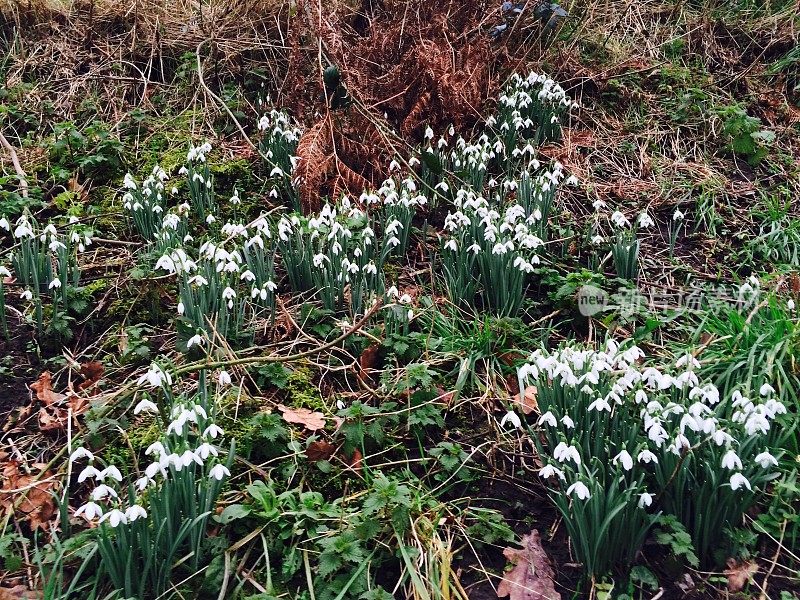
x=355, y=460
x=303, y=416
x=44, y=389
x=19, y=592
x=39, y=504
x=370, y=359
x=91, y=373
x=527, y=403
x=739, y=574
x=532, y=575
x=320, y=450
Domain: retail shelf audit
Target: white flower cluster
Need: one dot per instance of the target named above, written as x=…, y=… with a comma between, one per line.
x=594, y=393
x=145, y=203
x=187, y=445
x=334, y=249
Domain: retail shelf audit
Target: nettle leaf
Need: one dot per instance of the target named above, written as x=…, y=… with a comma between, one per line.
x=338, y=551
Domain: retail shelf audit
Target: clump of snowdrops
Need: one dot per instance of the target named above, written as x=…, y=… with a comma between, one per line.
x=622, y=442
x=43, y=264
x=150, y=521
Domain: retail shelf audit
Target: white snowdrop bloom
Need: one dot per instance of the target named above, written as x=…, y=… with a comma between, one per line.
x=619, y=219
x=645, y=220
x=188, y=457
x=645, y=456
x=87, y=472
x=135, y=512
x=181, y=308
x=413, y=161
x=145, y=406
x=572, y=180
x=142, y=483
x=115, y=517
x=738, y=480
x=80, y=453
x=451, y=245
x=687, y=359
x=548, y=471
x=166, y=263
x=547, y=418
x=580, y=490
x=428, y=133
x=195, y=340
x=90, y=511
x=625, y=459
x=4, y=224
x=512, y=418
x=155, y=468
x=731, y=461
x=4, y=272
x=721, y=437
x=563, y=453
x=224, y=378
x=600, y=404
x=766, y=390
x=213, y=431
x=568, y=423
x=645, y=500
x=155, y=377
x=101, y=491
x=156, y=448
x=205, y=450
x=219, y=472
x=110, y=471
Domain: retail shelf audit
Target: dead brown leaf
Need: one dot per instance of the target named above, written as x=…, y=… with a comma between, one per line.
x=739, y=574
x=19, y=592
x=320, y=450
x=370, y=359
x=52, y=419
x=91, y=373
x=532, y=575
x=44, y=389
x=303, y=416
x=527, y=402
x=355, y=460
x=38, y=503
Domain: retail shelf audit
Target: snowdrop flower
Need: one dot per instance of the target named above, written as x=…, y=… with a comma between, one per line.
x=81, y=453
x=600, y=405
x=155, y=377
x=135, y=512
x=155, y=448
x=625, y=459
x=766, y=460
x=563, y=453
x=548, y=471
x=645, y=456
x=146, y=406
x=101, y=491
x=4, y=224
x=26, y=295
x=738, y=480
x=645, y=499
x=188, y=457
x=110, y=471
x=731, y=461
x=213, y=431
x=580, y=490
x=568, y=423
x=766, y=390
x=219, y=471
x=645, y=220
x=451, y=245
x=87, y=472
x=619, y=219
x=196, y=339
x=678, y=215
x=114, y=517
x=90, y=510
x=224, y=378
x=548, y=418
x=511, y=417
x=181, y=308
x=205, y=450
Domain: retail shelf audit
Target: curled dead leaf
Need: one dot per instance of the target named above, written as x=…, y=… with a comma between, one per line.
x=320, y=450
x=532, y=576
x=303, y=416
x=91, y=372
x=44, y=389
x=355, y=461
x=38, y=504
x=739, y=574
x=526, y=402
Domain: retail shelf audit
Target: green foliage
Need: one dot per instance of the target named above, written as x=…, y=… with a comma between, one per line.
x=673, y=535
x=745, y=134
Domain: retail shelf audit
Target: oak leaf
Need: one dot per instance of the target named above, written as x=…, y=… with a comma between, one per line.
x=526, y=401
x=303, y=416
x=44, y=389
x=532, y=575
x=739, y=574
